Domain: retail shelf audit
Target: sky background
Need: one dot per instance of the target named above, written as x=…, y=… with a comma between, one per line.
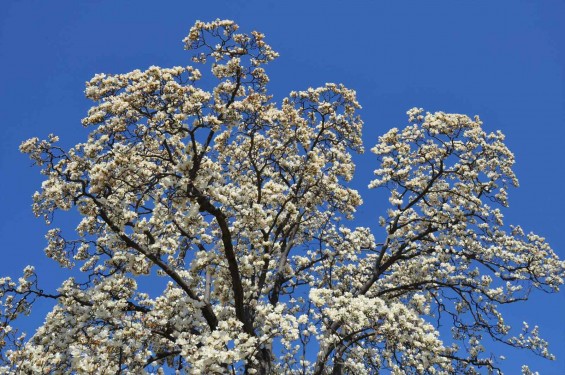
x=503, y=60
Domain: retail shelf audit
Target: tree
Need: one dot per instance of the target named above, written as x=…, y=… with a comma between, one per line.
x=242, y=205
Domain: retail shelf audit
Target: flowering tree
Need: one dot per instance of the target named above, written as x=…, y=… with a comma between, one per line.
x=240, y=204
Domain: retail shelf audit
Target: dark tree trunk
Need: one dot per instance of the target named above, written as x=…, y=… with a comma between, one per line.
x=264, y=365
x=338, y=367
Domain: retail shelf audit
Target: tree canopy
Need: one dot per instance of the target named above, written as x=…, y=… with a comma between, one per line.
x=244, y=206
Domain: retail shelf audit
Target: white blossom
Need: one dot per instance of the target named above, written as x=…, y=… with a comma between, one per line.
x=241, y=204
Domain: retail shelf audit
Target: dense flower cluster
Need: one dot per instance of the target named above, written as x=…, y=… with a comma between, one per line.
x=240, y=203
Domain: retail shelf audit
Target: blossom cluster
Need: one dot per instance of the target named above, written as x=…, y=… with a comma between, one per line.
x=241, y=205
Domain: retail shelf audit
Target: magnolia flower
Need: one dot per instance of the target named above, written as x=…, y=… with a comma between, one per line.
x=214, y=234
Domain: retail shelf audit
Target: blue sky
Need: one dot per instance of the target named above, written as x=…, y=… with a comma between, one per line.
x=503, y=60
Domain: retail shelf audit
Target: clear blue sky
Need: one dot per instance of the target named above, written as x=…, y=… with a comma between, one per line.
x=503, y=60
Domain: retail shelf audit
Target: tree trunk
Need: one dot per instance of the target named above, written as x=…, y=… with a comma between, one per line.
x=264, y=365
